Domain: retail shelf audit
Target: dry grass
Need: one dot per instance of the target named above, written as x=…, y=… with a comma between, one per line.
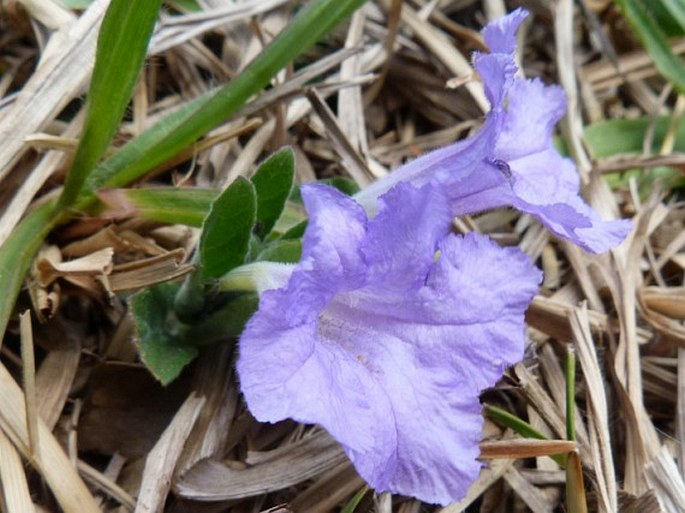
x=101, y=435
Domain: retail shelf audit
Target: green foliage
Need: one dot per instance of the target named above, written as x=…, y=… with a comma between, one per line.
x=76, y=4
x=227, y=229
x=161, y=341
x=353, y=503
x=17, y=253
x=670, y=16
x=167, y=345
x=122, y=46
x=227, y=241
x=184, y=126
x=642, y=17
x=273, y=181
x=282, y=250
x=570, y=394
x=186, y=5
x=621, y=136
x=343, y=184
x=627, y=136
x=520, y=426
x=190, y=299
x=121, y=49
x=172, y=205
x=226, y=322
x=296, y=231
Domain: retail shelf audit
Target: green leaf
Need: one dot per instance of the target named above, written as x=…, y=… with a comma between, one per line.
x=162, y=349
x=607, y=138
x=282, y=250
x=355, y=500
x=122, y=45
x=676, y=9
x=627, y=136
x=273, y=181
x=520, y=426
x=173, y=205
x=186, y=5
x=76, y=4
x=227, y=322
x=168, y=137
x=296, y=231
x=16, y=255
x=655, y=41
x=184, y=126
x=293, y=215
x=190, y=298
x=343, y=184
x=226, y=232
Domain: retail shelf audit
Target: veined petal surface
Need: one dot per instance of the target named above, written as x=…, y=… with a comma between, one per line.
x=392, y=364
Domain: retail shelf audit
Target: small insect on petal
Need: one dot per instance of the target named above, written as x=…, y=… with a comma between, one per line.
x=502, y=166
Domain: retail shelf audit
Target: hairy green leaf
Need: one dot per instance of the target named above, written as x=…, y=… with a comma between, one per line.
x=273, y=181
x=343, y=184
x=227, y=229
x=162, y=350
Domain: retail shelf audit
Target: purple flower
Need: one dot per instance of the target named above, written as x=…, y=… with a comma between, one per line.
x=512, y=160
x=386, y=333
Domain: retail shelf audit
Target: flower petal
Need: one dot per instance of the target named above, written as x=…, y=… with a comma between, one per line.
x=500, y=34
x=395, y=379
x=401, y=240
x=330, y=256
x=511, y=161
x=528, y=125
x=292, y=371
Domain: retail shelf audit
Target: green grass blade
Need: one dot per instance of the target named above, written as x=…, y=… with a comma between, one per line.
x=512, y=421
x=122, y=46
x=166, y=138
x=355, y=500
x=676, y=9
x=16, y=255
x=186, y=125
x=521, y=427
x=570, y=394
x=172, y=205
x=655, y=41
